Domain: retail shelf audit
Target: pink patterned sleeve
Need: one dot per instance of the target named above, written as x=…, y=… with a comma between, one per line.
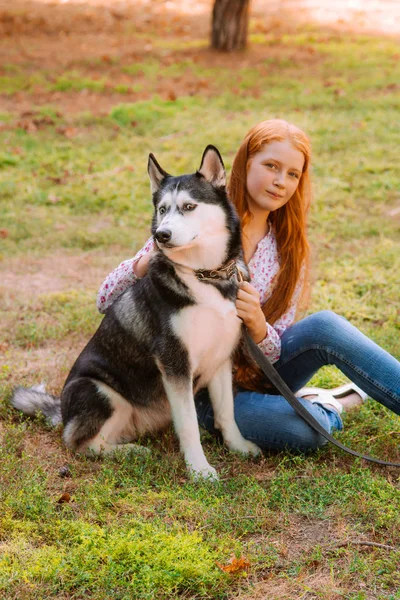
x=120, y=279
x=271, y=344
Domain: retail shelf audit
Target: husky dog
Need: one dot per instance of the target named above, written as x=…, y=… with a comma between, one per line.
x=167, y=336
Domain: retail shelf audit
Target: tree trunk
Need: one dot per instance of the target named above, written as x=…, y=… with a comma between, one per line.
x=229, y=24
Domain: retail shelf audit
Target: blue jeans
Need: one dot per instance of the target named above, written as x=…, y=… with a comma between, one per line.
x=318, y=340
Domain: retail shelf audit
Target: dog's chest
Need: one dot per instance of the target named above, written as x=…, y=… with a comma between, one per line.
x=209, y=330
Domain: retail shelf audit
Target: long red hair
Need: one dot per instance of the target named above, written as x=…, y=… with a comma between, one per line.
x=288, y=222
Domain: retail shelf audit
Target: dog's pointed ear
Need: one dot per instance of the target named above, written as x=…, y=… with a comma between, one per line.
x=212, y=167
x=156, y=173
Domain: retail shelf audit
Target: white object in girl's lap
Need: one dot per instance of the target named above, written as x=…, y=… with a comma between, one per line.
x=322, y=396
x=348, y=388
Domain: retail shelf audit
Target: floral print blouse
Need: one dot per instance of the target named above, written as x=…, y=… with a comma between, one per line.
x=263, y=267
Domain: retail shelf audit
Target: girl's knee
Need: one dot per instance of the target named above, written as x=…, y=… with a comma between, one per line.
x=303, y=437
x=313, y=441
x=326, y=328
x=327, y=318
x=304, y=442
x=271, y=423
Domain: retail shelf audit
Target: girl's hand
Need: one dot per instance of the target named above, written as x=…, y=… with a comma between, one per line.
x=141, y=267
x=249, y=310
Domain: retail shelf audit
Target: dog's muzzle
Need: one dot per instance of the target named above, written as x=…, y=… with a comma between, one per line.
x=163, y=236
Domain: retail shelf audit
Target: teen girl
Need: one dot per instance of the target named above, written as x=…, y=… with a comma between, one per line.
x=270, y=187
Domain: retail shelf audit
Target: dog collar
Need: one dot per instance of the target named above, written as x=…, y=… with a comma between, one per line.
x=226, y=272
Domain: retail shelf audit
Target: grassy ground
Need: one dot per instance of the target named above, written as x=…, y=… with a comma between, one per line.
x=75, y=135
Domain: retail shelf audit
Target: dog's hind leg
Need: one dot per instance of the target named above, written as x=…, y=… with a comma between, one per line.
x=98, y=419
x=180, y=395
x=221, y=395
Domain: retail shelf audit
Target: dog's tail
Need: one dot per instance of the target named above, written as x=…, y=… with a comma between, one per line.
x=35, y=399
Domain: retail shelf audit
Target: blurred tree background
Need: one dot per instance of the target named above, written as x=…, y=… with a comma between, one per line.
x=230, y=20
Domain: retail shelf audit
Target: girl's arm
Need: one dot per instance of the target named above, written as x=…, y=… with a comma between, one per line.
x=271, y=344
x=268, y=337
x=126, y=274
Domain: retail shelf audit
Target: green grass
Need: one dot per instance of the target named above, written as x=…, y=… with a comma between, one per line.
x=53, y=316
x=73, y=82
x=136, y=527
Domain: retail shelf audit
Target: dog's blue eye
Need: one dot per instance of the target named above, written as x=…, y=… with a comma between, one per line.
x=189, y=206
x=161, y=210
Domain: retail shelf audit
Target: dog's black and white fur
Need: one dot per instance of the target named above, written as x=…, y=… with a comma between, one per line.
x=165, y=337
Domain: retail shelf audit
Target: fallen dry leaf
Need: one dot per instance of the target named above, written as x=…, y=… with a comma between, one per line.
x=68, y=132
x=27, y=113
x=27, y=125
x=18, y=150
x=65, y=497
x=235, y=565
x=171, y=95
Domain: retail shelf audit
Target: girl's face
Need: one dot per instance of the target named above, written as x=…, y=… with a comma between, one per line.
x=273, y=175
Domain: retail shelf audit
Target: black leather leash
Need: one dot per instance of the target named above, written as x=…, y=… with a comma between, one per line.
x=276, y=380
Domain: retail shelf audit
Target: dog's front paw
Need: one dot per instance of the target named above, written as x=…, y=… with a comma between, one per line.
x=252, y=449
x=244, y=447
x=204, y=473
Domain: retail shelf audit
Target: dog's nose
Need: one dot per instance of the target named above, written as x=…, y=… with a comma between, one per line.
x=163, y=236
